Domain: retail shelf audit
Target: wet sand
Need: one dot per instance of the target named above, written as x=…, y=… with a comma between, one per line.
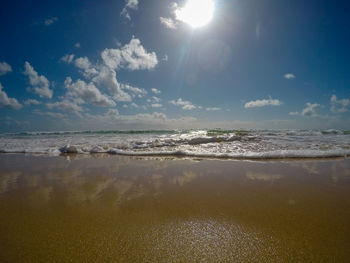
x=123, y=209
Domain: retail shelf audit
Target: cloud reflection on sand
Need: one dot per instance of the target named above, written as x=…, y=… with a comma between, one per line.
x=87, y=181
x=101, y=178
x=8, y=181
x=263, y=176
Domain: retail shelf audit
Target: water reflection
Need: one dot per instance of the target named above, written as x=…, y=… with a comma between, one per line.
x=263, y=176
x=8, y=181
x=136, y=209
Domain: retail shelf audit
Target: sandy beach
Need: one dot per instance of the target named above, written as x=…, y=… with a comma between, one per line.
x=127, y=209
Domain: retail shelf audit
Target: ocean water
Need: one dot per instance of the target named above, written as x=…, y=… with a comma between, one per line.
x=236, y=144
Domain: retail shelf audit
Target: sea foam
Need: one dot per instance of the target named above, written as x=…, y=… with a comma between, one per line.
x=265, y=144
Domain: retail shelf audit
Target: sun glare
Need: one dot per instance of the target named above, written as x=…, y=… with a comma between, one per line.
x=196, y=13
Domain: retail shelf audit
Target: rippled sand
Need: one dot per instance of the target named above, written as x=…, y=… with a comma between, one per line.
x=123, y=209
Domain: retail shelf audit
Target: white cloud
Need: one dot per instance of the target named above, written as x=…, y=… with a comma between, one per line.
x=156, y=91
x=4, y=68
x=107, y=78
x=50, y=114
x=110, y=120
x=68, y=58
x=131, y=56
x=156, y=105
x=156, y=99
x=134, y=105
x=77, y=45
x=310, y=110
x=113, y=113
x=84, y=64
x=65, y=105
x=87, y=92
x=293, y=113
x=340, y=105
x=29, y=102
x=40, y=84
x=213, y=109
x=186, y=105
x=103, y=75
x=132, y=4
x=134, y=91
x=7, y=102
x=49, y=21
x=129, y=4
x=262, y=103
x=168, y=22
x=289, y=76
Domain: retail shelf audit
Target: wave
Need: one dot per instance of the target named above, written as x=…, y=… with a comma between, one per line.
x=215, y=143
x=278, y=154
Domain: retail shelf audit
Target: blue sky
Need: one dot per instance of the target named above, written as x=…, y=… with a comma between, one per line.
x=260, y=64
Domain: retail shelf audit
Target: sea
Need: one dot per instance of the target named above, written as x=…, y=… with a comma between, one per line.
x=202, y=143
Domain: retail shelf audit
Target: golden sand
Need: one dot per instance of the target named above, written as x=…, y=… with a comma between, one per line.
x=122, y=209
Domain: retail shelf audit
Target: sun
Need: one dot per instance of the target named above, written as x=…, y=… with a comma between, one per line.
x=196, y=13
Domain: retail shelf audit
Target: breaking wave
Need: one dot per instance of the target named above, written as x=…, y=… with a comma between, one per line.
x=214, y=143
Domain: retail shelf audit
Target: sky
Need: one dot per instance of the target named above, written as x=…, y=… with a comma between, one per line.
x=151, y=64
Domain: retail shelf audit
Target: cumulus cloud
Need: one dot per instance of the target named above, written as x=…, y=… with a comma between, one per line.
x=134, y=105
x=50, y=114
x=65, y=105
x=156, y=99
x=29, y=102
x=6, y=102
x=156, y=105
x=4, y=68
x=134, y=91
x=107, y=79
x=213, y=109
x=156, y=91
x=113, y=113
x=109, y=120
x=87, y=92
x=49, y=21
x=289, y=76
x=129, y=4
x=186, y=105
x=87, y=69
x=103, y=75
x=310, y=110
x=40, y=84
x=68, y=58
x=131, y=56
x=263, y=103
x=82, y=63
x=168, y=22
x=339, y=105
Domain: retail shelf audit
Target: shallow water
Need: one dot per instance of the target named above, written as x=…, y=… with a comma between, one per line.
x=128, y=209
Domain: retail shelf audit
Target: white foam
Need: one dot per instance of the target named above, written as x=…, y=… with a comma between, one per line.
x=198, y=143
